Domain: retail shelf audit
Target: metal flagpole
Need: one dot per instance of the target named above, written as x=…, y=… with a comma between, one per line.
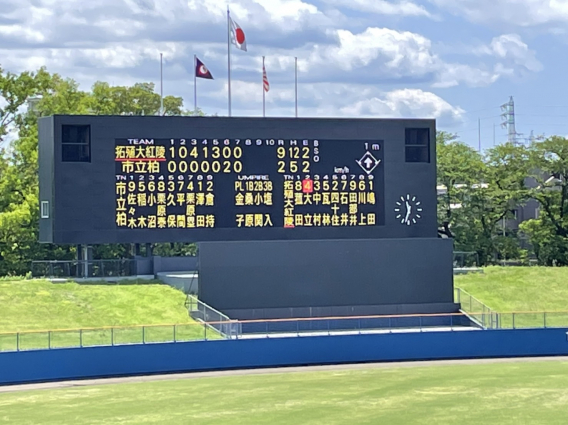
x=161, y=86
x=195, y=83
x=229, y=54
x=296, y=86
x=263, y=91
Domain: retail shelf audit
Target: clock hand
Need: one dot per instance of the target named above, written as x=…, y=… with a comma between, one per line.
x=408, y=210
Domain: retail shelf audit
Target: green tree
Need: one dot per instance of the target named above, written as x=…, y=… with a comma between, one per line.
x=478, y=193
x=500, y=191
x=48, y=94
x=458, y=168
x=548, y=234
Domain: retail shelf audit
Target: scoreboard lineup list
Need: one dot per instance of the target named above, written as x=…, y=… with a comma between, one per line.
x=248, y=183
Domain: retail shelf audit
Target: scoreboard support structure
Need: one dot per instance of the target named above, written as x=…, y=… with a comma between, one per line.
x=287, y=279
x=293, y=216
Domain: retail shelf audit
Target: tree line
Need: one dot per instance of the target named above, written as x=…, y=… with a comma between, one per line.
x=482, y=191
x=25, y=97
x=479, y=190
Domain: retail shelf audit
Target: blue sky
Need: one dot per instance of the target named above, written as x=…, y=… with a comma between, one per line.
x=453, y=60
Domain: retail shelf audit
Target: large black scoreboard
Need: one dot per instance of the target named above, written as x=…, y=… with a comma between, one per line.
x=106, y=179
x=294, y=217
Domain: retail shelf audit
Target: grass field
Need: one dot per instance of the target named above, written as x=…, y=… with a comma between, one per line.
x=33, y=305
x=506, y=289
x=505, y=393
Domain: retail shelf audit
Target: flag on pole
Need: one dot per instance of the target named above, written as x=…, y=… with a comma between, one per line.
x=201, y=70
x=238, y=35
x=265, y=79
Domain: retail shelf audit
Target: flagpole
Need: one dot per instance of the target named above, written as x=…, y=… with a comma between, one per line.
x=229, y=55
x=195, y=83
x=296, y=85
x=161, y=86
x=263, y=92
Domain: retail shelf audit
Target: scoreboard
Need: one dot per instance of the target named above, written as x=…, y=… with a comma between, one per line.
x=248, y=183
x=114, y=179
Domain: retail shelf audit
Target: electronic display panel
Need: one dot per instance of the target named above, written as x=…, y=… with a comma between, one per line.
x=248, y=183
x=114, y=179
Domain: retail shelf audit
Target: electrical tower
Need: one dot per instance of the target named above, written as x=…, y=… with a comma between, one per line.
x=509, y=120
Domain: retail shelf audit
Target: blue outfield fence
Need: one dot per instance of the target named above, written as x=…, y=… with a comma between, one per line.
x=142, y=359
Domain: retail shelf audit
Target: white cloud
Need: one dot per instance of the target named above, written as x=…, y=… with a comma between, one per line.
x=401, y=52
x=516, y=12
x=511, y=49
x=120, y=41
x=384, y=7
x=452, y=75
x=406, y=103
x=342, y=100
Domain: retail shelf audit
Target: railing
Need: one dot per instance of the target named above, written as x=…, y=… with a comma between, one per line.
x=202, y=331
x=85, y=269
x=91, y=337
x=212, y=318
x=484, y=315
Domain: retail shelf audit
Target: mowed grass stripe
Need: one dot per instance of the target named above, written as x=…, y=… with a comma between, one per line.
x=502, y=393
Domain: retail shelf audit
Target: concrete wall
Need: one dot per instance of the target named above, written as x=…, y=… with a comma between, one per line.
x=75, y=363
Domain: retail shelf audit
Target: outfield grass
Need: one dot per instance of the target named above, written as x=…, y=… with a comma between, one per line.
x=506, y=393
x=507, y=289
x=35, y=305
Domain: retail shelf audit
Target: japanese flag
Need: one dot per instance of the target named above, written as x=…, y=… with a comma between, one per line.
x=238, y=36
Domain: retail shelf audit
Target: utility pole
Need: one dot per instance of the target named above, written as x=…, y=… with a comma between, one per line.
x=479, y=135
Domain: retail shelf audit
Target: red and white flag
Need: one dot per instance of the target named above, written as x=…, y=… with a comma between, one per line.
x=238, y=36
x=265, y=83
